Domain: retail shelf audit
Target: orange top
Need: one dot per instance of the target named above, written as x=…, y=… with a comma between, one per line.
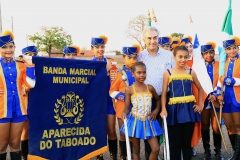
x=235, y=74
x=21, y=82
x=117, y=86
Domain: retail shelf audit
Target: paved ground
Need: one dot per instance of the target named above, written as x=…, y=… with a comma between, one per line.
x=198, y=148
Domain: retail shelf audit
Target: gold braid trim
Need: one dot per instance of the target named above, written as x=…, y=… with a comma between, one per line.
x=180, y=77
x=184, y=99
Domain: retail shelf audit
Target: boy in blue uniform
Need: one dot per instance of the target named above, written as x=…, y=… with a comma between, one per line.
x=29, y=51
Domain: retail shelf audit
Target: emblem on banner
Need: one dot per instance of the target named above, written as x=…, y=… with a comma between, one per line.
x=69, y=109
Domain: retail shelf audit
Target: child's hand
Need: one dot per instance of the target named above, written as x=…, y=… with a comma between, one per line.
x=197, y=108
x=153, y=114
x=124, y=115
x=27, y=59
x=121, y=98
x=109, y=65
x=113, y=75
x=220, y=99
x=163, y=113
x=212, y=98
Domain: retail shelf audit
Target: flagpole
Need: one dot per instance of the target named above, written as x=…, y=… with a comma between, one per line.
x=149, y=19
x=226, y=27
x=219, y=127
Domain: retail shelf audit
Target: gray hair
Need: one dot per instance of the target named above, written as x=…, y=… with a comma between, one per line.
x=149, y=29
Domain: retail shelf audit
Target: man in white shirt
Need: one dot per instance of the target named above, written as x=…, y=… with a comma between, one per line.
x=157, y=60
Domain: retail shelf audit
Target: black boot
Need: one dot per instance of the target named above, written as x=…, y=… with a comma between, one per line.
x=3, y=156
x=15, y=155
x=100, y=157
x=206, y=145
x=232, y=140
x=236, y=155
x=24, y=149
x=112, y=144
x=123, y=148
x=217, y=140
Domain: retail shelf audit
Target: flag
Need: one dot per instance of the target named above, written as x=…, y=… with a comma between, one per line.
x=222, y=60
x=149, y=23
x=68, y=109
x=227, y=28
x=200, y=68
x=149, y=19
x=196, y=42
x=227, y=23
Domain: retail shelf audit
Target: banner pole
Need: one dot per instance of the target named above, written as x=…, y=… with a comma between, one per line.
x=127, y=140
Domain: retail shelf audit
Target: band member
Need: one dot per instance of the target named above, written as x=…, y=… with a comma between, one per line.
x=98, y=48
x=165, y=42
x=29, y=51
x=118, y=86
x=141, y=120
x=71, y=52
x=212, y=67
x=181, y=111
x=231, y=82
x=13, y=107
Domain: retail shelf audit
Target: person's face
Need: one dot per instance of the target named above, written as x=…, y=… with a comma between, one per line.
x=30, y=54
x=181, y=58
x=165, y=46
x=140, y=73
x=151, y=39
x=98, y=50
x=189, y=46
x=232, y=51
x=71, y=56
x=7, y=51
x=208, y=56
x=129, y=61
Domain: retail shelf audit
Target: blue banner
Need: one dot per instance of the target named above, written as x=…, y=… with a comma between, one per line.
x=68, y=109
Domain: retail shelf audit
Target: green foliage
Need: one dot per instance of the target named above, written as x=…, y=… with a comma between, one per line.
x=51, y=38
x=180, y=35
x=118, y=52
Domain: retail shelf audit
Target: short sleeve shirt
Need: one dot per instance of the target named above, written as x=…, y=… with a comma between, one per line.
x=156, y=66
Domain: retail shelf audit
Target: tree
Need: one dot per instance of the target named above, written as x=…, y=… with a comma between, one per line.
x=136, y=27
x=118, y=52
x=51, y=38
x=180, y=35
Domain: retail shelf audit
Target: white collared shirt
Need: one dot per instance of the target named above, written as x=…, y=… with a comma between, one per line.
x=156, y=65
